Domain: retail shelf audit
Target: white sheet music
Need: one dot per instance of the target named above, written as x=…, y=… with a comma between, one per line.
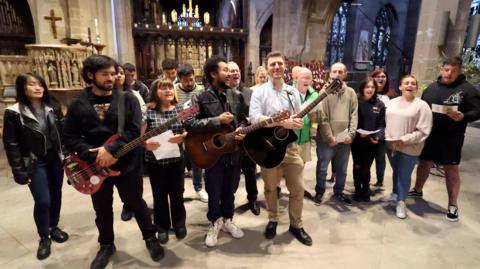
x=166, y=149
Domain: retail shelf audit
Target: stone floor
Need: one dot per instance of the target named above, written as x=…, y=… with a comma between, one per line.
x=358, y=236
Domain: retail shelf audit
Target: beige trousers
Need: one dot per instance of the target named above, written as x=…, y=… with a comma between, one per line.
x=292, y=168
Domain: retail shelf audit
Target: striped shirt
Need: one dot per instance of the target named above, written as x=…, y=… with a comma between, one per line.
x=184, y=96
x=154, y=118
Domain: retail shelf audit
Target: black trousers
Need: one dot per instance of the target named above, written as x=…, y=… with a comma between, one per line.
x=128, y=189
x=363, y=153
x=248, y=168
x=221, y=181
x=168, y=181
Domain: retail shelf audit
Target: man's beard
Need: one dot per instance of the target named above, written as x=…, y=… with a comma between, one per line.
x=101, y=87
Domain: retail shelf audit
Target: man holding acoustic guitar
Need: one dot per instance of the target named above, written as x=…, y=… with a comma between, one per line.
x=270, y=98
x=220, y=108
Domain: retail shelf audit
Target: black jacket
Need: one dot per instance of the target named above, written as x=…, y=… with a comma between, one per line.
x=24, y=141
x=460, y=93
x=84, y=130
x=210, y=108
x=371, y=117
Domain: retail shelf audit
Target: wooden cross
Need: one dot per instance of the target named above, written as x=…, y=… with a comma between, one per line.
x=53, y=21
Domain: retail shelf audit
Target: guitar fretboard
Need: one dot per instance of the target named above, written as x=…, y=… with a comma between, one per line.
x=323, y=93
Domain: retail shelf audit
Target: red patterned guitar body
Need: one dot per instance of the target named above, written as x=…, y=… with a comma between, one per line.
x=87, y=178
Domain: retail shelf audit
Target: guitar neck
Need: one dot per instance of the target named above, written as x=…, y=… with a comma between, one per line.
x=139, y=140
x=254, y=127
x=310, y=106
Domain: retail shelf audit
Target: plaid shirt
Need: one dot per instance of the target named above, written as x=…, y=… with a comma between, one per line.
x=154, y=119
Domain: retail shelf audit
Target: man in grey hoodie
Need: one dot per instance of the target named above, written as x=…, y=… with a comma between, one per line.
x=337, y=124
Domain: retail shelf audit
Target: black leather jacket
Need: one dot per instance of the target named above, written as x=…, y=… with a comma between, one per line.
x=24, y=141
x=208, y=117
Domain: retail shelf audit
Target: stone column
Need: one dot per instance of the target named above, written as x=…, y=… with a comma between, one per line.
x=428, y=55
x=123, y=24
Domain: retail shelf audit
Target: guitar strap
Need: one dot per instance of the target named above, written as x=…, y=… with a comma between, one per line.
x=121, y=113
x=290, y=101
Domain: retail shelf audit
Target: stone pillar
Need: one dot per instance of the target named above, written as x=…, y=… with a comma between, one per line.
x=428, y=55
x=123, y=24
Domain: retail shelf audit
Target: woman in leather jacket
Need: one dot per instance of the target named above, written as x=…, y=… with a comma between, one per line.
x=32, y=142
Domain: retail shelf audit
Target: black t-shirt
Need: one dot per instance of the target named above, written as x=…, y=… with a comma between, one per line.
x=101, y=104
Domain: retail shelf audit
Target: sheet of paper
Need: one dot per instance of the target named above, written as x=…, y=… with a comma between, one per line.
x=342, y=135
x=166, y=149
x=365, y=132
x=392, y=139
x=443, y=109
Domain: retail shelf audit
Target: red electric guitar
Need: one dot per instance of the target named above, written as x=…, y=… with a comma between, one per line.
x=87, y=177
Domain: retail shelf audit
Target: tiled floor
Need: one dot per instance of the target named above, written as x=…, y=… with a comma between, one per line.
x=358, y=236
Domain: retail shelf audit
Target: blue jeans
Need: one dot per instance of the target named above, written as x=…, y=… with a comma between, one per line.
x=196, y=173
x=46, y=189
x=402, y=166
x=380, y=161
x=339, y=154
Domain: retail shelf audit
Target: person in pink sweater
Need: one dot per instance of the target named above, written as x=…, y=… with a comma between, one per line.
x=408, y=124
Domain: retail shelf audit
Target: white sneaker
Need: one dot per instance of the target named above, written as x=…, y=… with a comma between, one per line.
x=392, y=198
x=212, y=234
x=401, y=210
x=202, y=195
x=230, y=227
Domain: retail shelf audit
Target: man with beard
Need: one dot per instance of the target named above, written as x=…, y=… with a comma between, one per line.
x=248, y=166
x=220, y=105
x=184, y=91
x=91, y=119
x=454, y=103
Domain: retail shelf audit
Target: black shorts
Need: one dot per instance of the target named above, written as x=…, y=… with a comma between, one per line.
x=443, y=149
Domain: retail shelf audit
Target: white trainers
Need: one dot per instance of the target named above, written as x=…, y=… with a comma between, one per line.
x=401, y=210
x=230, y=227
x=202, y=195
x=212, y=234
x=392, y=198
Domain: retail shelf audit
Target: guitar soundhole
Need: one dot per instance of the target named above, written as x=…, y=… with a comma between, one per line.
x=280, y=133
x=218, y=141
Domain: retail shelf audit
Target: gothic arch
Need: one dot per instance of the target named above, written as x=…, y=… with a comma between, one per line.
x=263, y=17
x=17, y=27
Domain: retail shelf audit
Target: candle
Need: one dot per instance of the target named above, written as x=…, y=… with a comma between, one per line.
x=164, y=18
x=97, y=35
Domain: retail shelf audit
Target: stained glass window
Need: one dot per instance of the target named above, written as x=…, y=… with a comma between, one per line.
x=337, y=36
x=381, y=38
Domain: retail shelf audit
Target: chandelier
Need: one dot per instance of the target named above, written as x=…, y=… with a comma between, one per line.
x=189, y=17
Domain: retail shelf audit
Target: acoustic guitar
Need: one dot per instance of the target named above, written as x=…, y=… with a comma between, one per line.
x=204, y=148
x=267, y=146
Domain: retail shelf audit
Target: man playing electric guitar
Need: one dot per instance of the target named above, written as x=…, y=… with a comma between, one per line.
x=92, y=118
x=268, y=99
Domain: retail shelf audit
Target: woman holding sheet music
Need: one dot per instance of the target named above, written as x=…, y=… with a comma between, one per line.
x=166, y=170
x=370, y=133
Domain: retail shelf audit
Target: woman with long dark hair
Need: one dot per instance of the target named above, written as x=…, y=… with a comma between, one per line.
x=384, y=94
x=166, y=174
x=31, y=139
x=371, y=118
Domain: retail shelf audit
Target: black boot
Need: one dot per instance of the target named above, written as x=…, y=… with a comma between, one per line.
x=155, y=249
x=58, y=235
x=103, y=256
x=301, y=235
x=271, y=229
x=254, y=207
x=127, y=214
x=44, y=248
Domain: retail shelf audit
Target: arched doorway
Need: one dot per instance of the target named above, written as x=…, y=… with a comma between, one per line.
x=16, y=27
